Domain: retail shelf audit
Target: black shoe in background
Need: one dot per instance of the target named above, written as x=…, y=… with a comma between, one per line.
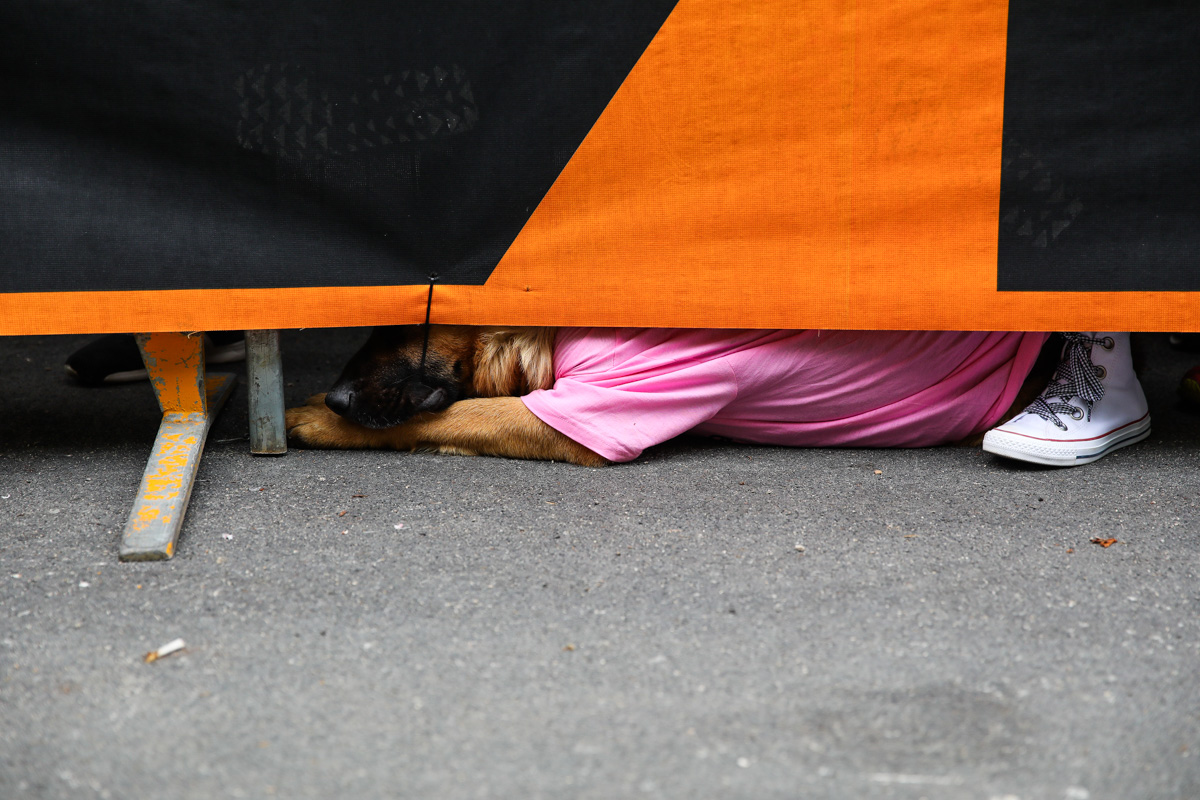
x=115, y=358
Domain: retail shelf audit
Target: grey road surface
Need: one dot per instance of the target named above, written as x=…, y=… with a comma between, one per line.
x=379, y=625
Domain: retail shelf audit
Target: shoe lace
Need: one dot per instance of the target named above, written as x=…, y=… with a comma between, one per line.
x=1075, y=376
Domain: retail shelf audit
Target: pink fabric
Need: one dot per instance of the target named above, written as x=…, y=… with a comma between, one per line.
x=619, y=391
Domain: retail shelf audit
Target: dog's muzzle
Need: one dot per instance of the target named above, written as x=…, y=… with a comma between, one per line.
x=412, y=398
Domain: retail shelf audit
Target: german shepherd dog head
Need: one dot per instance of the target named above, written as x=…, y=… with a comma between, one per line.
x=384, y=383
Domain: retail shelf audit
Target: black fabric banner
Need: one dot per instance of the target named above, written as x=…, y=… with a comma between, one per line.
x=1101, y=164
x=155, y=145
x=223, y=145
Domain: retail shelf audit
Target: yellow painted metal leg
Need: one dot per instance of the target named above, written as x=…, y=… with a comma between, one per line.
x=189, y=400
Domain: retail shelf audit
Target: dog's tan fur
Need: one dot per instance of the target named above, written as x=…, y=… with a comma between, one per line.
x=513, y=361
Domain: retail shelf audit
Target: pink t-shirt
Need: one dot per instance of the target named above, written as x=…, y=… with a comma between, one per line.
x=619, y=391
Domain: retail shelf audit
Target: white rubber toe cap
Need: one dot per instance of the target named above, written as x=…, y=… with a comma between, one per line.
x=1039, y=441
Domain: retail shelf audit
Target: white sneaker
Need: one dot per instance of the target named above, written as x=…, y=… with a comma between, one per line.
x=1093, y=405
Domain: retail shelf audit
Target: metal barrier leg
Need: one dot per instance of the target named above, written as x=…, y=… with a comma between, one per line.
x=189, y=402
x=264, y=373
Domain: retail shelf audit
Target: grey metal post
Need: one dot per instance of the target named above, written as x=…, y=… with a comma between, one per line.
x=264, y=374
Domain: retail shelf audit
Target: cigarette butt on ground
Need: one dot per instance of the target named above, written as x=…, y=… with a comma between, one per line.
x=164, y=651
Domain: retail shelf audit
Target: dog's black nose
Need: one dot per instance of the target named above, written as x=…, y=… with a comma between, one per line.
x=340, y=399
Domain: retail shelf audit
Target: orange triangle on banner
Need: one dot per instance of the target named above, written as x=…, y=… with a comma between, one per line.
x=804, y=158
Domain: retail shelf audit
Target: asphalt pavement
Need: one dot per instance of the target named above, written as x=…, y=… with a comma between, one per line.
x=710, y=621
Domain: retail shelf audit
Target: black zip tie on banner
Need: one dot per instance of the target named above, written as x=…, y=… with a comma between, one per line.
x=433, y=276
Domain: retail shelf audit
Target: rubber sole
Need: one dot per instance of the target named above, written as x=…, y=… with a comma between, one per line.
x=1064, y=454
x=224, y=354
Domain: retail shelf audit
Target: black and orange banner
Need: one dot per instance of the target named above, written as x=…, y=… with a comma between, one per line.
x=875, y=164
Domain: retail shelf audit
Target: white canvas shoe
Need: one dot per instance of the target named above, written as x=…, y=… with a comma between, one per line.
x=1093, y=405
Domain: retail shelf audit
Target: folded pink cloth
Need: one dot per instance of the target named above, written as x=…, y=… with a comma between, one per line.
x=619, y=391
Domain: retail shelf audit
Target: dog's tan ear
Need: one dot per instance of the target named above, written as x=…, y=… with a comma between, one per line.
x=513, y=361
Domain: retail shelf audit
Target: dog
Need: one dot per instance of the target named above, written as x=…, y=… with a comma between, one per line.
x=467, y=390
x=464, y=399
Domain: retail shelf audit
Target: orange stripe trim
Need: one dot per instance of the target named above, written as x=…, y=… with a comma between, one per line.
x=722, y=301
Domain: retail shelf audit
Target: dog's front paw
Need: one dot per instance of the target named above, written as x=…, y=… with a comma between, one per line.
x=315, y=425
